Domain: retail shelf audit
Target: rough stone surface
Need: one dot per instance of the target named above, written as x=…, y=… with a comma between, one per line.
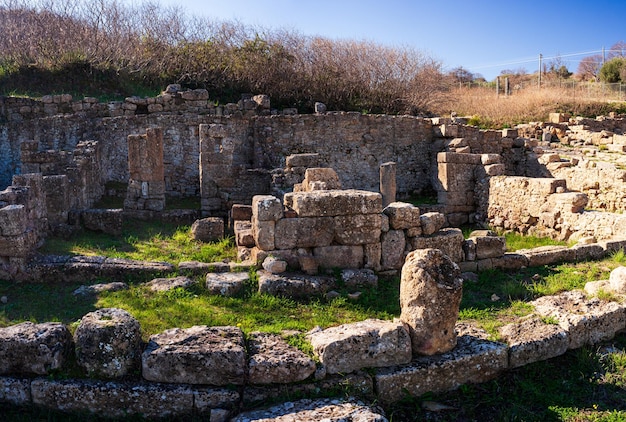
x=430, y=294
x=15, y=391
x=393, y=245
x=339, y=256
x=473, y=360
x=274, y=265
x=335, y=202
x=196, y=355
x=293, y=285
x=208, y=229
x=402, y=215
x=617, y=280
x=103, y=220
x=108, y=343
x=38, y=349
x=101, y=287
x=369, y=343
x=266, y=208
x=273, y=361
x=226, y=284
x=587, y=320
x=117, y=399
x=358, y=278
x=164, y=284
x=449, y=241
x=489, y=246
x=303, y=232
x=532, y=340
x=432, y=222
x=320, y=178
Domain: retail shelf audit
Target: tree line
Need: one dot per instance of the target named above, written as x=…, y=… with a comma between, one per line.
x=150, y=45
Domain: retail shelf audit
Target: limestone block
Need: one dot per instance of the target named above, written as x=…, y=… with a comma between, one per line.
x=38, y=349
x=274, y=265
x=456, y=158
x=108, y=343
x=333, y=203
x=320, y=178
x=122, y=399
x=573, y=202
x=305, y=232
x=15, y=391
x=103, y=220
x=587, y=320
x=495, y=170
x=372, y=256
x=208, y=229
x=489, y=246
x=226, y=284
x=243, y=234
x=266, y=208
x=545, y=255
x=302, y=160
x=469, y=248
x=489, y=159
x=339, y=256
x=21, y=246
x=13, y=220
x=196, y=355
x=449, y=241
x=430, y=294
x=87, y=290
x=431, y=222
x=170, y=283
x=617, y=280
x=588, y=252
x=357, y=229
x=307, y=410
x=387, y=176
x=393, y=244
x=366, y=344
x=402, y=215
x=358, y=278
x=240, y=212
x=474, y=360
x=273, y=361
x=532, y=340
x=510, y=261
x=293, y=285
x=264, y=234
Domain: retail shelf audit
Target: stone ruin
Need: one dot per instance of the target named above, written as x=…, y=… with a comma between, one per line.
x=314, y=192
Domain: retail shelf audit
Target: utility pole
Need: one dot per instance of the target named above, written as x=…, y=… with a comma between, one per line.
x=540, y=57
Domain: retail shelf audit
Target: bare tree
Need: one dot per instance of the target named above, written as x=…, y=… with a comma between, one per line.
x=589, y=67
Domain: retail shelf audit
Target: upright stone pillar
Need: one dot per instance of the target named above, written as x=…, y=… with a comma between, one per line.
x=430, y=294
x=388, y=183
x=146, y=186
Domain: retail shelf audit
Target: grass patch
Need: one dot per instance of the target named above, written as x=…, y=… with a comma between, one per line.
x=516, y=241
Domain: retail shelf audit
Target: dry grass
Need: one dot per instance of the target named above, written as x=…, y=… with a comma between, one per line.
x=525, y=105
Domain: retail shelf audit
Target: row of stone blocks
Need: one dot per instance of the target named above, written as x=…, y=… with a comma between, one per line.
x=200, y=361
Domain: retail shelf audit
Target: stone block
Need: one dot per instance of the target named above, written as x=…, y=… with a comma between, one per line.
x=266, y=208
x=264, y=234
x=169, y=283
x=293, y=285
x=353, y=278
x=489, y=246
x=365, y=344
x=108, y=343
x=240, y=212
x=333, y=203
x=15, y=391
x=586, y=320
x=545, y=255
x=320, y=178
x=196, y=355
x=510, y=261
x=402, y=215
x=456, y=158
x=393, y=244
x=38, y=349
x=13, y=220
x=431, y=222
x=226, y=284
x=273, y=361
x=302, y=160
x=532, y=340
x=449, y=241
x=305, y=232
x=243, y=234
x=339, y=256
x=357, y=229
x=208, y=229
x=103, y=220
x=473, y=360
x=588, y=252
x=372, y=256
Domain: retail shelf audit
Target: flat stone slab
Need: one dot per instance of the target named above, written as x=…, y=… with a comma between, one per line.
x=196, y=355
x=544, y=255
x=331, y=203
x=15, y=391
x=365, y=344
x=94, y=289
x=587, y=320
x=38, y=349
x=331, y=410
x=293, y=285
x=226, y=284
x=165, y=284
x=473, y=360
x=531, y=340
x=273, y=361
x=117, y=399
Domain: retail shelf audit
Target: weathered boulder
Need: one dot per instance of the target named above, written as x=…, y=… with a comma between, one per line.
x=273, y=361
x=108, y=343
x=226, y=284
x=29, y=348
x=164, y=284
x=196, y=355
x=293, y=285
x=358, y=278
x=617, y=280
x=430, y=294
x=365, y=344
x=402, y=215
x=432, y=222
x=208, y=229
x=274, y=265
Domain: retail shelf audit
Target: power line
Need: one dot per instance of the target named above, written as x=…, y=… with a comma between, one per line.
x=534, y=59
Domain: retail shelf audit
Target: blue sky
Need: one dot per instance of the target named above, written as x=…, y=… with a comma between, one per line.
x=482, y=36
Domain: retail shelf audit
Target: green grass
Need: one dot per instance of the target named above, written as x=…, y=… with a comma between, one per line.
x=516, y=241
x=144, y=241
